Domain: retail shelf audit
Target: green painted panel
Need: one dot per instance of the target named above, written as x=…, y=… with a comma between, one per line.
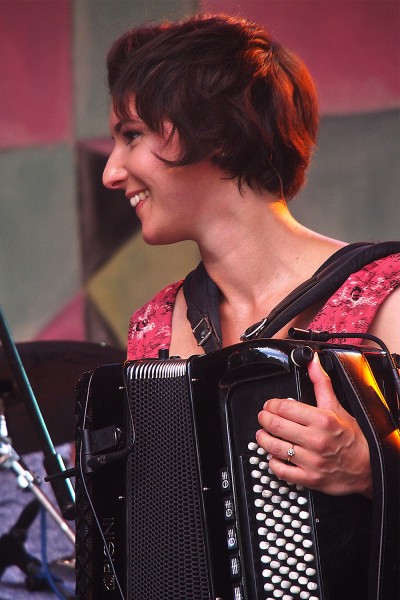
x=39, y=252
x=97, y=24
x=354, y=184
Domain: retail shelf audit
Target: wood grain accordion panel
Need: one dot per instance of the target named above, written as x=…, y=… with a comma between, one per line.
x=193, y=512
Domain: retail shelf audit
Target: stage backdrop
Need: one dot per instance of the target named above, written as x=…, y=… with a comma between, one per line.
x=72, y=262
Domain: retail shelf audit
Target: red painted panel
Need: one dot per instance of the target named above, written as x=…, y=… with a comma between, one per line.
x=68, y=324
x=35, y=72
x=352, y=48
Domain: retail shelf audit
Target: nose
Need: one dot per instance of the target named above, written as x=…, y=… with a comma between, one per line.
x=114, y=174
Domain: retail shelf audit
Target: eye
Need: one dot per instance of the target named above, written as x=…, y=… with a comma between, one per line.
x=130, y=135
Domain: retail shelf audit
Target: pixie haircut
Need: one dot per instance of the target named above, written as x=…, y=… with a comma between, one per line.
x=230, y=92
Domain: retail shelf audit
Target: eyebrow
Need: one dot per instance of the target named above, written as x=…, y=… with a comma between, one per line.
x=122, y=122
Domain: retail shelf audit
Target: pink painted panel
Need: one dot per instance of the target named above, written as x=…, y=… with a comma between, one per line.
x=35, y=72
x=352, y=48
x=68, y=324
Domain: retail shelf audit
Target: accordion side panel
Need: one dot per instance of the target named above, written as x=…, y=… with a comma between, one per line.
x=167, y=557
x=100, y=496
x=84, y=515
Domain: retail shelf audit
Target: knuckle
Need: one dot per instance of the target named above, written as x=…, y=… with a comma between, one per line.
x=327, y=420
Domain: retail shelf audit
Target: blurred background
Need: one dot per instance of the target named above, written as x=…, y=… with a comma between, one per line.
x=72, y=262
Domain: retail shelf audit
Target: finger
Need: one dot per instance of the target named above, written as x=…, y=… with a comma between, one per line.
x=276, y=447
x=282, y=428
x=324, y=394
x=291, y=410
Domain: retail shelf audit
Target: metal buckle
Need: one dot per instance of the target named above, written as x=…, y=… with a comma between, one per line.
x=203, y=334
x=253, y=330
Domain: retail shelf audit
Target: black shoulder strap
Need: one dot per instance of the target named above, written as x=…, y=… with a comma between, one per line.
x=202, y=295
x=202, y=299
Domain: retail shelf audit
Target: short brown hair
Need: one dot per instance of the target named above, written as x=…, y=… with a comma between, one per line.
x=229, y=91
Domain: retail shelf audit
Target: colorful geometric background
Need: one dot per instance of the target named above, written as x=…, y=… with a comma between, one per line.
x=72, y=262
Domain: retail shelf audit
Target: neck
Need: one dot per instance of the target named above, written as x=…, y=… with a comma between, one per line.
x=262, y=254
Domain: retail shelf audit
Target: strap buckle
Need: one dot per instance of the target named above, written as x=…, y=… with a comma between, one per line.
x=202, y=331
x=252, y=331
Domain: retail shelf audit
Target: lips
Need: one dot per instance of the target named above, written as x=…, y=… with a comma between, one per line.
x=134, y=200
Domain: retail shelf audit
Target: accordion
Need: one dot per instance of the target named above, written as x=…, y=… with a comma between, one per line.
x=187, y=508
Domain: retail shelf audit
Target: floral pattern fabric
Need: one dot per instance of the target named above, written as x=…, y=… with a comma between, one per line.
x=351, y=308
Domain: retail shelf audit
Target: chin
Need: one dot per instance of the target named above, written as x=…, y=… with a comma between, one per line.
x=161, y=239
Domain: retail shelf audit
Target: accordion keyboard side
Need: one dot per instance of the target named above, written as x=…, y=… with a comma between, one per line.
x=100, y=496
x=84, y=516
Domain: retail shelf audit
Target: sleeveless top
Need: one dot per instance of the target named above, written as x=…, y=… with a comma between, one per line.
x=351, y=308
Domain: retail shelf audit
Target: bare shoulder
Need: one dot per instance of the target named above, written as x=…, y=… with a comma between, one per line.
x=386, y=324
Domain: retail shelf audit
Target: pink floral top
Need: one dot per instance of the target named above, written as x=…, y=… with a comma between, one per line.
x=351, y=308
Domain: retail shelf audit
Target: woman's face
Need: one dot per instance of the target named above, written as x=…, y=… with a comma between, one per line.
x=171, y=202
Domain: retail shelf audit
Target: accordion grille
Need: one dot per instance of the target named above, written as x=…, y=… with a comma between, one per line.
x=167, y=557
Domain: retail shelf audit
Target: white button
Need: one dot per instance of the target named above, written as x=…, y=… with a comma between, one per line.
x=295, y=589
x=312, y=586
x=288, y=532
x=267, y=573
x=275, y=564
x=290, y=547
x=308, y=557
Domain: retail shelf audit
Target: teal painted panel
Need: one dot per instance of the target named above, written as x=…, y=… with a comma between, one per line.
x=354, y=184
x=39, y=252
x=98, y=23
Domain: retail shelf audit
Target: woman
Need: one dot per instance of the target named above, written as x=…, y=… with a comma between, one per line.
x=214, y=125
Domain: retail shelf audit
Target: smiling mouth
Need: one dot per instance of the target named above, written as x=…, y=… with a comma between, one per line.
x=138, y=197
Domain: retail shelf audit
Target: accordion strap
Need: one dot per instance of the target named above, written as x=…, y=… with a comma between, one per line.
x=202, y=295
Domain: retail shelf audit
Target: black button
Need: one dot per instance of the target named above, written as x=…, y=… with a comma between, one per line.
x=231, y=537
x=229, y=510
x=238, y=593
x=234, y=565
x=226, y=480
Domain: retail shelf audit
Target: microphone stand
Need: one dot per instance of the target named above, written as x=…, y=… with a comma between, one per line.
x=53, y=462
x=9, y=459
x=12, y=550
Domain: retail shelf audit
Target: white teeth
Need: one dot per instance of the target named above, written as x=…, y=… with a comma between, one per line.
x=137, y=197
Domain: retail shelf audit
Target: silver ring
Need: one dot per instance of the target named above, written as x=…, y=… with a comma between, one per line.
x=290, y=453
